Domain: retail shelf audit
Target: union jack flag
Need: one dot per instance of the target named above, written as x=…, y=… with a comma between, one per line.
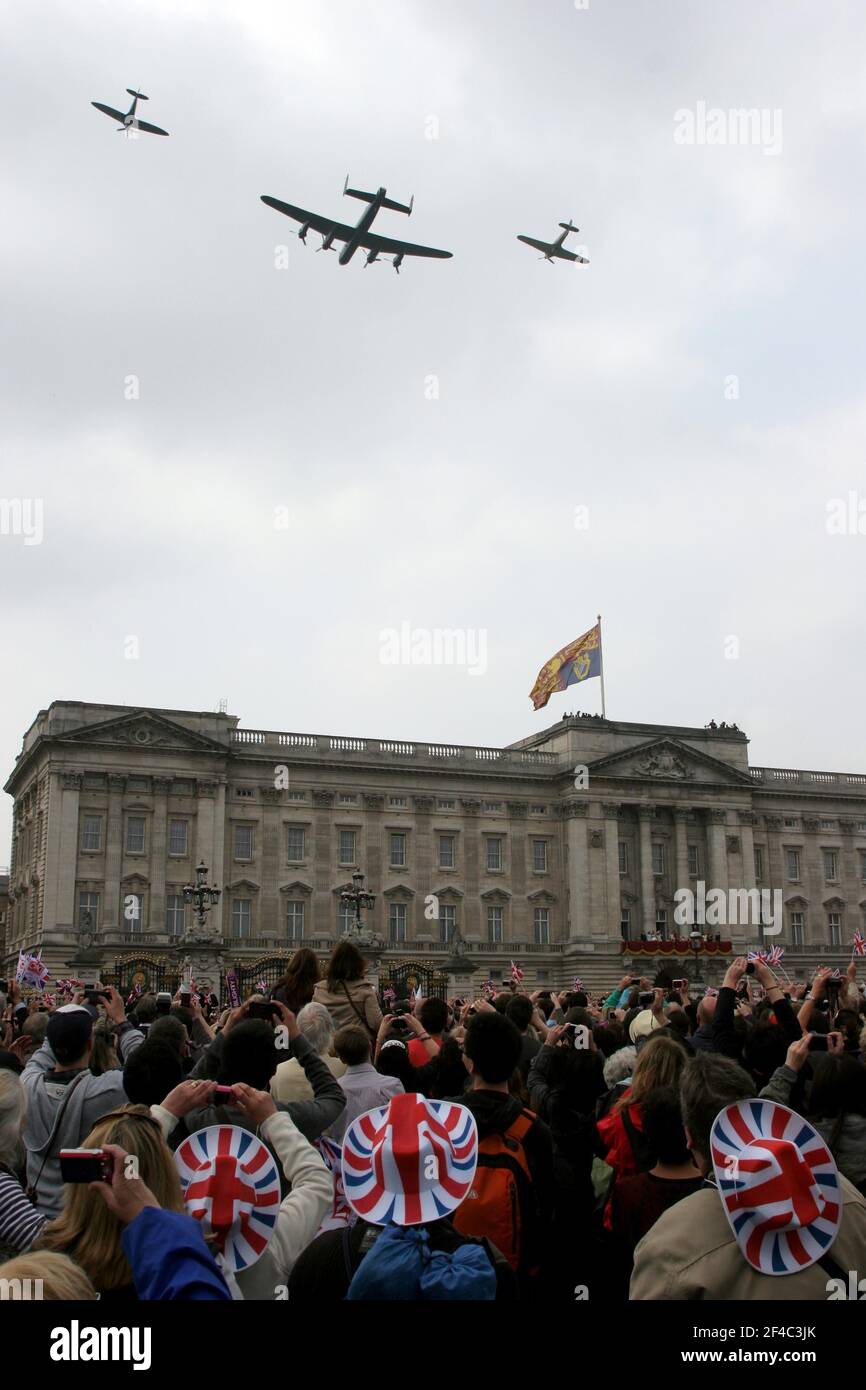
x=859, y=945
x=230, y=1183
x=759, y=957
x=577, y=984
x=387, y=1171
x=332, y=1154
x=774, y=957
x=836, y=974
x=516, y=973
x=262, y=987
x=489, y=987
x=136, y=993
x=389, y=995
x=778, y=1183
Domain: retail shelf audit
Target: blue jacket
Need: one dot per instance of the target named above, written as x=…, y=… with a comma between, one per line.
x=169, y=1259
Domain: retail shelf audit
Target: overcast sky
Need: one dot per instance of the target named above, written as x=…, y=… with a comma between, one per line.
x=698, y=387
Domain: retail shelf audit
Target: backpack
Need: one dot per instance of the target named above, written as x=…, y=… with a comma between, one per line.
x=501, y=1195
x=402, y=1266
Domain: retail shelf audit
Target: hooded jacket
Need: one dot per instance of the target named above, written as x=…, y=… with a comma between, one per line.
x=691, y=1253
x=84, y=1098
x=360, y=994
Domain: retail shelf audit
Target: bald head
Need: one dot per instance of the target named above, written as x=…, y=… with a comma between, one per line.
x=706, y=1011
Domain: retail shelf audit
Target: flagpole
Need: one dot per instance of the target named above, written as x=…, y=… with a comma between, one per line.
x=601, y=666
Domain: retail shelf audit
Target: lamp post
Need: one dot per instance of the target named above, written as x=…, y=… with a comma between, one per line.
x=696, y=941
x=357, y=897
x=201, y=896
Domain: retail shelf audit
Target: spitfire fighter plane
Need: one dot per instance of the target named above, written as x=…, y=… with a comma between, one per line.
x=555, y=249
x=128, y=119
x=360, y=235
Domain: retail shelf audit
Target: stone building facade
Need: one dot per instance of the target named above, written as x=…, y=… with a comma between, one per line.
x=549, y=852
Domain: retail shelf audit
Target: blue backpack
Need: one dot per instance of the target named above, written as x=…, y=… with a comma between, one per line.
x=402, y=1267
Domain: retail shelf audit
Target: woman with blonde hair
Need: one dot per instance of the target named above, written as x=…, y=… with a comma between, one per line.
x=659, y=1063
x=55, y=1277
x=20, y=1222
x=87, y=1230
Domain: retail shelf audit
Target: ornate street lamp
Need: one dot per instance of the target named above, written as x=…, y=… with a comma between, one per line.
x=201, y=895
x=696, y=941
x=458, y=963
x=357, y=897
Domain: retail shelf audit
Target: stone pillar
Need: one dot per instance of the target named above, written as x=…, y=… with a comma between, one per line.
x=613, y=896
x=422, y=929
x=475, y=921
x=159, y=833
x=373, y=863
x=112, y=916
x=575, y=813
x=716, y=822
x=748, y=877
x=681, y=851
x=521, y=921
x=323, y=855
x=68, y=849
x=849, y=875
x=270, y=905
x=647, y=878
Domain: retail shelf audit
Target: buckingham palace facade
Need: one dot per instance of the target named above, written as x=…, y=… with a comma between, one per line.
x=552, y=852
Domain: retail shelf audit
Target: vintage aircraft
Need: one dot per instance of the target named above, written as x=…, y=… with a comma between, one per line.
x=359, y=235
x=128, y=119
x=556, y=249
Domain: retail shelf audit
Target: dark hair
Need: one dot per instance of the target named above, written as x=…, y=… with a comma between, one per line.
x=663, y=1126
x=352, y=1046
x=765, y=1048
x=394, y=1061
x=678, y=1023
x=582, y=1017
x=545, y=1006
x=152, y=1070
x=838, y=1087
x=296, y=985
x=249, y=1055
x=145, y=1009
x=501, y=1002
x=609, y=1038
x=433, y=1014
x=346, y=963
x=170, y=1032
x=185, y=1016
x=493, y=1045
x=576, y=1077
x=578, y=1000
x=519, y=1010
x=708, y=1083
x=449, y=1074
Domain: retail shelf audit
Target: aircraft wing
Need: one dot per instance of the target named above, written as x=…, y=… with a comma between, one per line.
x=109, y=111
x=403, y=248
x=545, y=246
x=312, y=219
x=151, y=129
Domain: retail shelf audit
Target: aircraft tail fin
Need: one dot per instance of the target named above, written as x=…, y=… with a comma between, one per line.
x=399, y=207
x=569, y=227
x=140, y=95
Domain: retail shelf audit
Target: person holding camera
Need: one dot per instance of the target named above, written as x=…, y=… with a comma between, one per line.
x=65, y=1098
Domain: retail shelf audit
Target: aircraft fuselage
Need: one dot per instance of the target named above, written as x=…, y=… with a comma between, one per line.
x=363, y=226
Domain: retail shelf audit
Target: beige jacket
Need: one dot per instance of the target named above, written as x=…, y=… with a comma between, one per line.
x=691, y=1253
x=362, y=996
x=289, y=1081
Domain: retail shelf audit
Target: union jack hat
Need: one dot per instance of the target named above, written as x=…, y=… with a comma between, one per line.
x=231, y=1185
x=778, y=1183
x=409, y=1162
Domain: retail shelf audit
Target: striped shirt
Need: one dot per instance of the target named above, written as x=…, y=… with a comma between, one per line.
x=20, y=1222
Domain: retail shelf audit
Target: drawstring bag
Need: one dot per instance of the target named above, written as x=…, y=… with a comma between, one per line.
x=401, y=1267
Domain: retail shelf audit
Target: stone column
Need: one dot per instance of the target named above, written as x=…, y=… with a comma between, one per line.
x=647, y=878
x=475, y=926
x=747, y=846
x=716, y=822
x=613, y=903
x=270, y=904
x=159, y=832
x=324, y=855
x=423, y=929
x=521, y=920
x=681, y=841
x=575, y=813
x=374, y=805
x=112, y=916
x=68, y=849
x=851, y=885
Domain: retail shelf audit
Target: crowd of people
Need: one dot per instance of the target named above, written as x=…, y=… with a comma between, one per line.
x=322, y=1141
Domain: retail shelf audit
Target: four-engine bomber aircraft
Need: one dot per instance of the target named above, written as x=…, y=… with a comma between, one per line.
x=359, y=235
x=128, y=119
x=556, y=249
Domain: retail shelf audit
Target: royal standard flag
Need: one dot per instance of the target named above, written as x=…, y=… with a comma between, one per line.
x=576, y=662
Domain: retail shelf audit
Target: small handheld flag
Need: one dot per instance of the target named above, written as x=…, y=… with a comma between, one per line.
x=859, y=948
x=516, y=973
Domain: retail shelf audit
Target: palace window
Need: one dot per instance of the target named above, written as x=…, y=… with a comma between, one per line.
x=759, y=861
x=177, y=837
x=295, y=921
x=242, y=914
x=658, y=856
x=446, y=851
x=494, y=924
x=792, y=859
x=133, y=912
x=694, y=862
x=625, y=923
x=447, y=922
x=834, y=928
x=661, y=923
x=539, y=856
x=494, y=854
x=798, y=929
x=91, y=834
x=243, y=842
x=346, y=917
x=135, y=834
x=397, y=851
x=445, y=805
x=397, y=922
x=88, y=903
x=622, y=851
x=541, y=926
x=347, y=847
x=174, y=914
x=295, y=838
x=831, y=866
